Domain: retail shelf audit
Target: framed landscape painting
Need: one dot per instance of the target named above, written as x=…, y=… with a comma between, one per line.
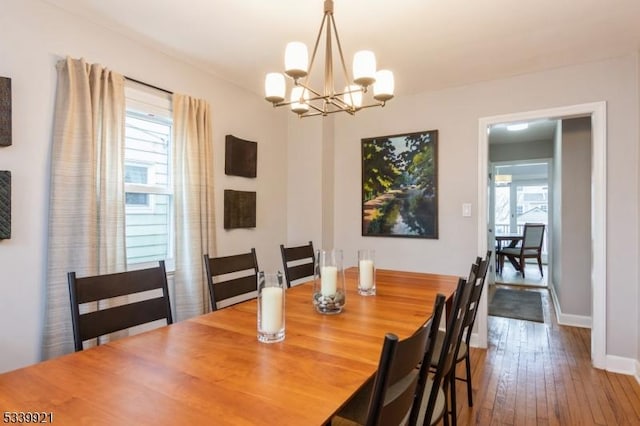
x=400, y=185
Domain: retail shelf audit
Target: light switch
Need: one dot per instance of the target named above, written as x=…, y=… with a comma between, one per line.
x=466, y=209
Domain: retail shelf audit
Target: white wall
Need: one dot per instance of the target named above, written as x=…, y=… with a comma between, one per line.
x=520, y=151
x=455, y=113
x=34, y=36
x=573, y=282
x=304, y=185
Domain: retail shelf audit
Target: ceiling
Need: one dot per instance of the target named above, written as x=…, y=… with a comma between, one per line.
x=428, y=44
x=537, y=130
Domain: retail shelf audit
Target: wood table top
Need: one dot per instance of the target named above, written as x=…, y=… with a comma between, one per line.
x=212, y=370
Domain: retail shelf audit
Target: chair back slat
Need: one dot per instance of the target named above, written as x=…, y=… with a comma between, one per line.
x=228, y=264
x=225, y=288
x=300, y=271
x=105, y=321
x=107, y=286
x=294, y=268
x=235, y=287
x=297, y=253
x=101, y=289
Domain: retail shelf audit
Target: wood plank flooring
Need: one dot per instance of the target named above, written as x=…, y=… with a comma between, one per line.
x=541, y=374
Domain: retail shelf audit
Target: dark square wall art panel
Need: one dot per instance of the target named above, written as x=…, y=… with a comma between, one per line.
x=239, y=209
x=5, y=204
x=5, y=111
x=241, y=157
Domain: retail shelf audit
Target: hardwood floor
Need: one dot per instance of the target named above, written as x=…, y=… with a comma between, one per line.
x=533, y=278
x=541, y=374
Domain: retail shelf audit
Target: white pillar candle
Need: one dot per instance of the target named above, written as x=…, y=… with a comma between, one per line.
x=328, y=280
x=271, y=312
x=366, y=274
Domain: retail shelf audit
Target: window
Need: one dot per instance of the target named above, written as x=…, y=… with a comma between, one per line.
x=148, y=177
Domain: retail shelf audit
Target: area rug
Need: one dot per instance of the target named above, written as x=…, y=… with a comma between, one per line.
x=518, y=304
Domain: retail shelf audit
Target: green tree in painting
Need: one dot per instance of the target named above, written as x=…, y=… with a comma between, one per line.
x=383, y=167
x=420, y=164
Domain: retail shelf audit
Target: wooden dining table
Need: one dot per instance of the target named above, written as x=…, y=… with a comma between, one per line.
x=211, y=369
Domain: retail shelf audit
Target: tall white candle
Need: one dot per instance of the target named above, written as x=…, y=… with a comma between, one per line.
x=328, y=280
x=366, y=274
x=271, y=312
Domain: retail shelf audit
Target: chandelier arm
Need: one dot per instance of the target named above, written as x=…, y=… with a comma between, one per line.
x=377, y=104
x=309, y=89
x=322, y=110
x=315, y=48
x=344, y=67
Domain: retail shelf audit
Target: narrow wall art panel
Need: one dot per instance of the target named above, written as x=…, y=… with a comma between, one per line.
x=5, y=204
x=241, y=157
x=5, y=111
x=239, y=209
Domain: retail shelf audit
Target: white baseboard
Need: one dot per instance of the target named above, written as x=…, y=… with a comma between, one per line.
x=475, y=341
x=618, y=364
x=568, y=319
x=638, y=372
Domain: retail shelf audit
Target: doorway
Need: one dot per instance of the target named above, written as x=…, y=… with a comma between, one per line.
x=520, y=193
x=597, y=112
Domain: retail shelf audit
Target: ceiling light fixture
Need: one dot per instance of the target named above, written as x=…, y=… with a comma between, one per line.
x=517, y=126
x=306, y=101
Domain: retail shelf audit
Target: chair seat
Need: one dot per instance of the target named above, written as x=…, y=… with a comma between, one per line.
x=462, y=351
x=439, y=409
x=516, y=252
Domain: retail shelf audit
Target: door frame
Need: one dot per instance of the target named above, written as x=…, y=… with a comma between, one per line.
x=598, y=113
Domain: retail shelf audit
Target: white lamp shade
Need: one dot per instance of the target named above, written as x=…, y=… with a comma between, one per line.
x=274, y=87
x=299, y=94
x=296, y=59
x=353, y=96
x=384, y=86
x=364, y=68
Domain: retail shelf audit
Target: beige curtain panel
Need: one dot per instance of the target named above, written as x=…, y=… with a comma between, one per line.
x=193, y=189
x=86, y=207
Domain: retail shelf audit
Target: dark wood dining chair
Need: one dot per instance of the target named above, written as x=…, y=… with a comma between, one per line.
x=394, y=395
x=298, y=262
x=531, y=247
x=231, y=276
x=94, y=291
x=478, y=276
x=437, y=402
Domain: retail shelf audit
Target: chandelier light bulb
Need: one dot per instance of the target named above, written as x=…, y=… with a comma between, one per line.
x=384, y=86
x=298, y=100
x=296, y=60
x=274, y=87
x=364, y=68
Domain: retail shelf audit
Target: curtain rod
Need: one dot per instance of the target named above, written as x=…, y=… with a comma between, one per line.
x=149, y=85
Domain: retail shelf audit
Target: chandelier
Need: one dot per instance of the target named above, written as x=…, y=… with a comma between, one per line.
x=306, y=101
